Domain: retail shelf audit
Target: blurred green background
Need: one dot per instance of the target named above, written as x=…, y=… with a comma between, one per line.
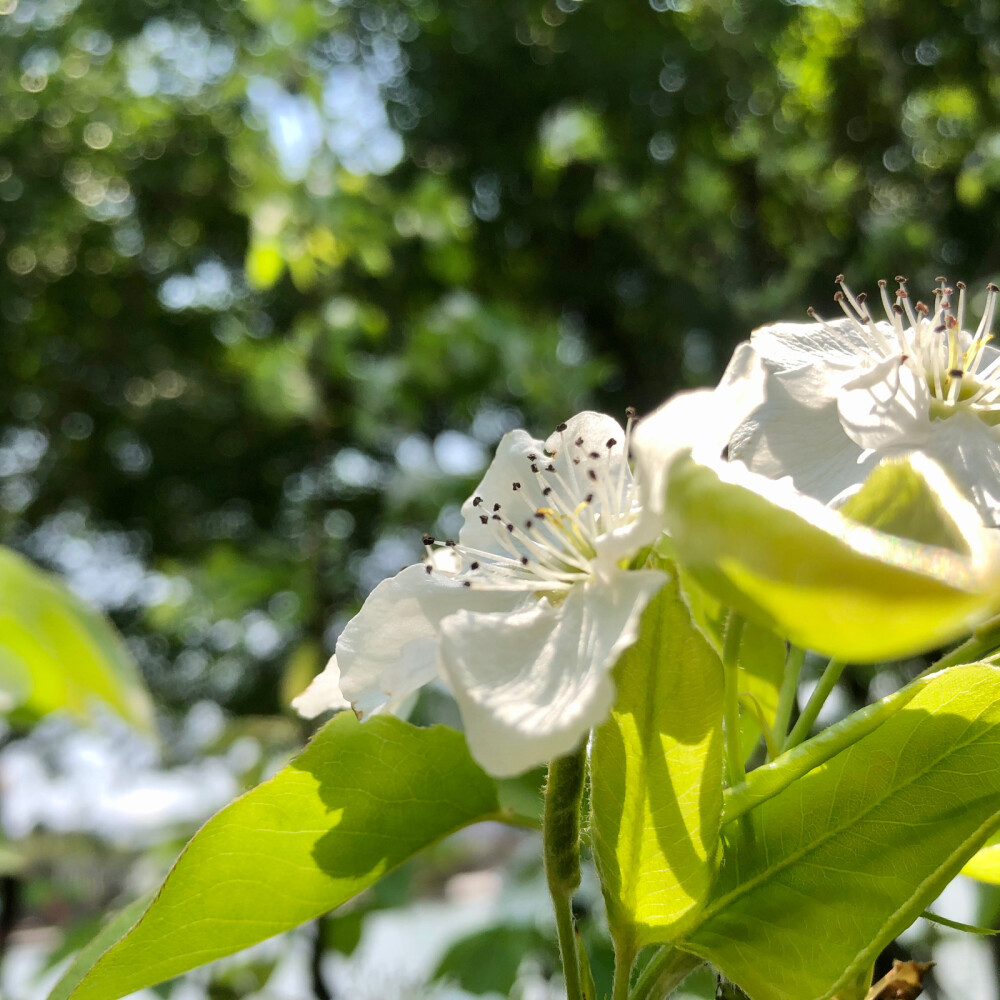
x=276, y=275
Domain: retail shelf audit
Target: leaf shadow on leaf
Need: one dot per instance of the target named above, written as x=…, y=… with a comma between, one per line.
x=862, y=844
x=378, y=797
x=686, y=866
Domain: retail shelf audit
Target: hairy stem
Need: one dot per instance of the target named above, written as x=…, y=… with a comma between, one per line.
x=561, y=837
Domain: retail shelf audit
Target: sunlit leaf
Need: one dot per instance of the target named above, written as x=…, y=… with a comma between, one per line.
x=355, y=804
x=822, y=580
x=656, y=769
x=847, y=856
x=56, y=652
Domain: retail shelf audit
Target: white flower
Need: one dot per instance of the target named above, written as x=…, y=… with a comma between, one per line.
x=524, y=617
x=839, y=396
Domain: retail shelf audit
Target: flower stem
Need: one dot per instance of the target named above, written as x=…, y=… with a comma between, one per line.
x=561, y=837
x=786, y=696
x=731, y=698
x=664, y=972
x=827, y=682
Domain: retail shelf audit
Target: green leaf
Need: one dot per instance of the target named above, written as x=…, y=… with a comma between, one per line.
x=356, y=803
x=56, y=652
x=822, y=580
x=761, y=656
x=818, y=879
x=897, y=499
x=656, y=789
x=488, y=961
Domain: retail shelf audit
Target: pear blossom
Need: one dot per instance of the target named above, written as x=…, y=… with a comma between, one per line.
x=842, y=395
x=525, y=614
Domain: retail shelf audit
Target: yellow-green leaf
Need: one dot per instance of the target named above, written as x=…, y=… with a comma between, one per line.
x=56, y=652
x=822, y=580
x=846, y=856
x=356, y=803
x=656, y=768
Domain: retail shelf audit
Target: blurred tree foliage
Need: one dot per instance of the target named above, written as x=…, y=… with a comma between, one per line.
x=276, y=275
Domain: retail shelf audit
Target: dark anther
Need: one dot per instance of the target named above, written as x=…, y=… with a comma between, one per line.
x=955, y=373
x=902, y=293
x=594, y=454
x=450, y=543
x=589, y=498
x=476, y=501
x=882, y=282
x=921, y=308
x=579, y=442
x=900, y=278
x=497, y=517
x=428, y=569
x=991, y=287
x=610, y=443
x=473, y=565
x=510, y=528
x=484, y=519
x=838, y=296
x=725, y=453
x=550, y=467
x=528, y=524
x=532, y=457
x=466, y=583
x=961, y=285
x=561, y=428
x=540, y=514
x=428, y=539
x=942, y=278
x=515, y=486
x=496, y=507
x=546, y=491
x=524, y=560
x=631, y=413
x=576, y=461
x=903, y=358
x=897, y=309
x=862, y=298
x=534, y=468
x=839, y=279
x=591, y=475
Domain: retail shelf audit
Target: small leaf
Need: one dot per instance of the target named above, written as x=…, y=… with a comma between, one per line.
x=58, y=653
x=818, y=879
x=822, y=580
x=656, y=769
x=488, y=961
x=356, y=803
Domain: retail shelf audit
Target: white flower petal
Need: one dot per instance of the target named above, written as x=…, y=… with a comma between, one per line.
x=531, y=684
x=510, y=465
x=787, y=346
x=968, y=450
x=886, y=406
x=701, y=420
x=781, y=439
x=389, y=649
x=323, y=694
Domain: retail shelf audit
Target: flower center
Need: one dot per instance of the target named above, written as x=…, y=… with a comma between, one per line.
x=961, y=370
x=546, y=532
